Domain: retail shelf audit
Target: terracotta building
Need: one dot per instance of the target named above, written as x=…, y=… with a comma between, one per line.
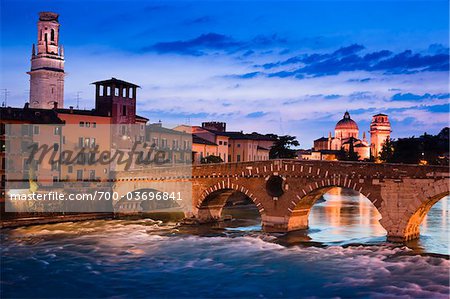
x=231, y=146
x=177, y=145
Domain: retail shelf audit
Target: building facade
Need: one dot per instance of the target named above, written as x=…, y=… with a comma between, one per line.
x=346, y=136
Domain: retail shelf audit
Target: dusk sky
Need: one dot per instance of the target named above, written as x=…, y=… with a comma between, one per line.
x=284, y=67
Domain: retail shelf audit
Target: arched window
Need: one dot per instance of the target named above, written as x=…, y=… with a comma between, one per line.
x=40, y=35
x=52, y=35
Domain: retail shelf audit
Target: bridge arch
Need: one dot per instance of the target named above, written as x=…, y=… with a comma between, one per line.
x=213, y=199
x=414, y=217
x=300, y=207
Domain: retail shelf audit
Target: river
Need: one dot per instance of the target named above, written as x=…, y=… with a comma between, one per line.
x=343, y=254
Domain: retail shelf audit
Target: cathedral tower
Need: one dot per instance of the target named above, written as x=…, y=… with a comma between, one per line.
x=380, y=130
x=47, y=65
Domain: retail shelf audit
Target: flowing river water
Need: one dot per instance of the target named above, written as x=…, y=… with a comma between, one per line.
x=343, y=254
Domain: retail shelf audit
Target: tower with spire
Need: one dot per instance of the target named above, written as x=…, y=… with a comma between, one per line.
x=47, y=65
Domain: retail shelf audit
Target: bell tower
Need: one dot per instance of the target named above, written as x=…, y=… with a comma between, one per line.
x=47, y=65
x=380, y=130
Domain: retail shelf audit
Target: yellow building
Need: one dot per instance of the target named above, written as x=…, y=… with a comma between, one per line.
x=176, y=144
x=230, y=146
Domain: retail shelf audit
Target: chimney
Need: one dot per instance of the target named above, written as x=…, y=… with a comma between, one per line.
x=55, y=105
x=27, y=105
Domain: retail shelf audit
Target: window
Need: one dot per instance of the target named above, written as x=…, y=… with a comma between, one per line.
x=52, y=35
x=91, y=175
x=86, y=142
x=238, y=158
x=25, y=145
x=229, y=158
x=220, y=142
x=36, y=130
x=124, y=110
x=81, y=124
x=80, y=141
x=57, y=131
x=25, y=130
x=238, y=145
x=93, y=142
x=94, y=125
x=79, y=175
x=55, y=147
x=88, y=124
x=108, y=90
x=70, y=169
x=91, y=158
x=80, y=159
x=225, y=143
x=116, y=91
x=155, y=141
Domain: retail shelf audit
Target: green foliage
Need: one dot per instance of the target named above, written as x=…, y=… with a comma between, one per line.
x=351, y=155
x=211, y=159
x=281, y=148
x=387, y=151
x=433, y=149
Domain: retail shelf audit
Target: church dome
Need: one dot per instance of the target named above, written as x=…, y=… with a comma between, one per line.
x=346, y=123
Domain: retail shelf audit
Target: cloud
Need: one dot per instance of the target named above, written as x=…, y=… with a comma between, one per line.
x=417, y=97
x=207, y=42
x=256, y=114
x=347, y=59
x=199, y=21
x=195, y=46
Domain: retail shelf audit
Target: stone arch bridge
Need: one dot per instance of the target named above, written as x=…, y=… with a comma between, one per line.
x=285, y=190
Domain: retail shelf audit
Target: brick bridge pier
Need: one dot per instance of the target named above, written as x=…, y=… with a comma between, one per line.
x=284, y=191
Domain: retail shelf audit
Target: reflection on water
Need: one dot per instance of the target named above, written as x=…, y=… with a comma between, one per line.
x=435, y=229
x=344, y=216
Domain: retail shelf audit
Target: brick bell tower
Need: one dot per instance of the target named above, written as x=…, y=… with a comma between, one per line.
x=47, y=65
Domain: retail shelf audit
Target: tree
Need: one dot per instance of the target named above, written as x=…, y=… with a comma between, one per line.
x=211, y=159
x=408, y=151
x=352, y=155
x=281, y=148
x=387, y=151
